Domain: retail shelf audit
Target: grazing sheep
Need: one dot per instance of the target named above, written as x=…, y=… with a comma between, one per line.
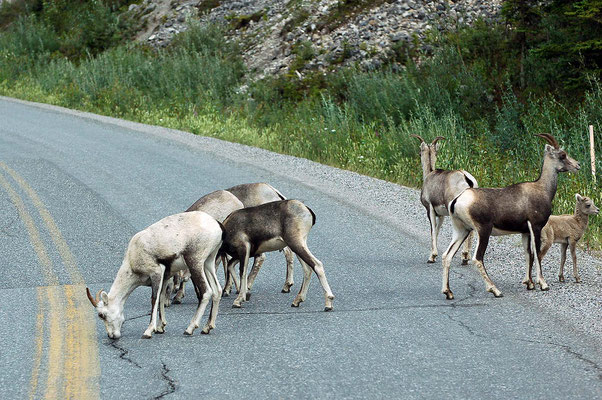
x=187, y=240
x=270, y=227
x=251, y=195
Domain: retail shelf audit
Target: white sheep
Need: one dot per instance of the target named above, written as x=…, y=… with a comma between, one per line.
x=187, y=240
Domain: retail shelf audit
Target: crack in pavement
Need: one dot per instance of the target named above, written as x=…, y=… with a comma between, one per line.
x=5, y=228
x=124, y=353
x=590, y=363
x=171, y=383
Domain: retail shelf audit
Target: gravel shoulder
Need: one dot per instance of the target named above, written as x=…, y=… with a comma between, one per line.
x=577, y=306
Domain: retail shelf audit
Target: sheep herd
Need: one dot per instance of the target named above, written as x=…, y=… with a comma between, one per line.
x=230, y=226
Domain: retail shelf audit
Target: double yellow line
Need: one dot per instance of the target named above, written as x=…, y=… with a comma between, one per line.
x=72, y=363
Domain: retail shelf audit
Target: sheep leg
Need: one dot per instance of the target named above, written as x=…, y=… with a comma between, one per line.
x=432, y=216
x=243, y=267
x=230, y=277
x=290, y=261
x=169, y=287
x=535, y=250
x=528, y=281
x=183, y=277
x=484, y=235
x=460, y=233
x=257, y=263
x=216, y=290
x=162, y=304
x=563, y=247
x=304, y=285
x=203, y=289
x=573, y=247
x=466, y=248
x=157, y=287
x=305, y=256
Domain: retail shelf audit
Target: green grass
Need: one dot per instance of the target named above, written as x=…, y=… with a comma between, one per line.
x=353, y=120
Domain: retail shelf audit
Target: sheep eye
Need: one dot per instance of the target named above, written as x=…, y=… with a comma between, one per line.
x=562, y=156
x=587, y=205
x=101, y=316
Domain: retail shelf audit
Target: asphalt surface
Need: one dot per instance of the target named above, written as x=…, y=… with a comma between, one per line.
x=74, y=188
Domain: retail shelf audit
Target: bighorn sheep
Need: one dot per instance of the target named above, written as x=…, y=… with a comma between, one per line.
x=251, y=195
x=220, y=204
x=567, y=229
x=269, y=227
x=188, y=240
x=520, y=208
x=439, y=188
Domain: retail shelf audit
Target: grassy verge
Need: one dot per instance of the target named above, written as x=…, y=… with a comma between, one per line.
x=353, y=120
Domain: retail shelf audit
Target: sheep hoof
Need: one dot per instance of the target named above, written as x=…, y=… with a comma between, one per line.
x=225, y=294
x=205, y=331
x=186, y=333
x=248, y=296
x=449, y=295
x=327, y=308
x=545, y=288
x=465, y=262
x=285, y=291
x=577, y=280
x=236, y=305
x=146, y=336
x=429, y=261
x=177, y=301
x=560, y=278
x=295, y=305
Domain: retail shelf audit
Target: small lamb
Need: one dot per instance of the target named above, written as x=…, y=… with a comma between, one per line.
x=567, y=229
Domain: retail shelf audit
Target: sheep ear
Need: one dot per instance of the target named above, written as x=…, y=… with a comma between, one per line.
x=578, y=197
x=549, y=149
x=423, y=146
x=104, y=297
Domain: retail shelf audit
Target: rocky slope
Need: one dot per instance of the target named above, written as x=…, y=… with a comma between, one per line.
x=280, y=36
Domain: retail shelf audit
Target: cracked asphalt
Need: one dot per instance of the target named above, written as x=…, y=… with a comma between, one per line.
x=392, y=333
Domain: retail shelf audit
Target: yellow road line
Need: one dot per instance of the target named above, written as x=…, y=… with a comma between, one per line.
x=34, y=234
x=73, y=363
x=37, y=361
x=54, y=386
x=55, y=232
x=55, y=331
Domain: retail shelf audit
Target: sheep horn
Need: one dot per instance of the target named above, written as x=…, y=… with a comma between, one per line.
x=418, y=137
x=92, y=300
x=549, y=138
x=437, y=139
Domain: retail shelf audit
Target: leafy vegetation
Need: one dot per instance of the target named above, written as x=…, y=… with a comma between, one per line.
x=488, y=89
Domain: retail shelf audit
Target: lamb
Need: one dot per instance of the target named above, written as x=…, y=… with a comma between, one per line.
x=439, y=188
x=520, y=208
x=567, y=230
x=187, y=240
x=269, y=227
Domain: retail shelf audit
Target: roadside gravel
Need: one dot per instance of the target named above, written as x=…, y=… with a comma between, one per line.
x=575, y=305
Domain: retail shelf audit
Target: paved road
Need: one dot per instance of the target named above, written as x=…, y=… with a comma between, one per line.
x=73, y=190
